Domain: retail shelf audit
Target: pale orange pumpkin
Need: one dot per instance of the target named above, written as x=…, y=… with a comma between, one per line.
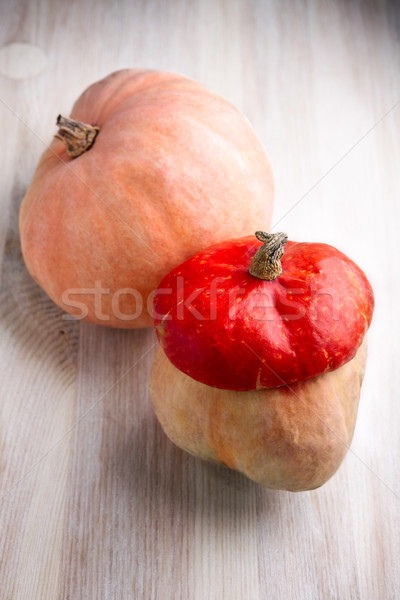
x=166, y=169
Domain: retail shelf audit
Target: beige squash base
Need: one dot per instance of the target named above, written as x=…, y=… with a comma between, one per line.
x=292, y=438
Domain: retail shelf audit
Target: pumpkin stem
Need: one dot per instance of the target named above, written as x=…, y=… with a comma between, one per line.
x=266, y=263
x=78, y=136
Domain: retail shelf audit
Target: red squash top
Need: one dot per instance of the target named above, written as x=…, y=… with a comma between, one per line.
x=231, y=329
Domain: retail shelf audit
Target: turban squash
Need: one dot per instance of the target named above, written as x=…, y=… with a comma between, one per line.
x=262, y=354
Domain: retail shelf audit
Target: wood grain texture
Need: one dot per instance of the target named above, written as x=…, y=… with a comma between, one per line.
x=95, y=502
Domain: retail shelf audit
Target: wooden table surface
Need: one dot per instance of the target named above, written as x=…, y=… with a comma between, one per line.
x=96, y=503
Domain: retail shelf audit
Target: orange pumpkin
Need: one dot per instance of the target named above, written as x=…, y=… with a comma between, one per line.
x=150, y=169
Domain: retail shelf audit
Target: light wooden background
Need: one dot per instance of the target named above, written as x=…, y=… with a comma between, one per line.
x=95, y=502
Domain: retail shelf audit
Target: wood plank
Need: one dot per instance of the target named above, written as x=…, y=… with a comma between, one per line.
x=95, y=502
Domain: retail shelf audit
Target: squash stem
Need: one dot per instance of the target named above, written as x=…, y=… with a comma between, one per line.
x=266, y=263
x=77, y=136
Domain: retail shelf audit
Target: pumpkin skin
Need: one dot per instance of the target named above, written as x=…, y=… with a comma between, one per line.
x=289, y=438
x=228, y=329
x=173, y=169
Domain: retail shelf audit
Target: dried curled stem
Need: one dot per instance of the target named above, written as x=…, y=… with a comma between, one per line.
x=266, y=263
x=78, y=136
